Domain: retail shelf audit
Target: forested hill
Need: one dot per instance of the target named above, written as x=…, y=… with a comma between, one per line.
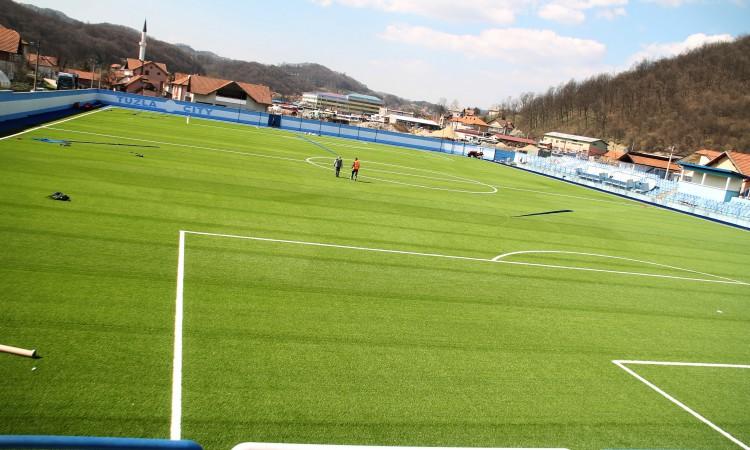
x=77, y=44
x=696, y=100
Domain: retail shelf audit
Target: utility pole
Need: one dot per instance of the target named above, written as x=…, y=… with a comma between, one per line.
x=36, y=68
x=671, y=152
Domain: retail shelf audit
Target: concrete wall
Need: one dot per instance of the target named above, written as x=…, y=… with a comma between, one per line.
x=16, y=105
x=709, y=192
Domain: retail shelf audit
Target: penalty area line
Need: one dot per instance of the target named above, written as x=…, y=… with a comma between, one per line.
x=459, y=257
x=622, y=365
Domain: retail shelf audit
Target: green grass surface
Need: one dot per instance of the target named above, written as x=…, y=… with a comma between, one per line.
x=294, y=343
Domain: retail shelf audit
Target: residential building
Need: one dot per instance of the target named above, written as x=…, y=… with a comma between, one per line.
x=48, y=67
x=86, y=79
x=153, y=77
x=349, y=103
x=722, y=178
x=500, y=125
x=470, y=122
x=571, y=143
x=12, y=50
x=219, y=92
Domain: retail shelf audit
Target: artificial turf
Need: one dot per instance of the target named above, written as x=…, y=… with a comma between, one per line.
x=295, y=343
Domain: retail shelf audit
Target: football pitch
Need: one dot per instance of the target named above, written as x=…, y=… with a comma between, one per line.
x=217, y=282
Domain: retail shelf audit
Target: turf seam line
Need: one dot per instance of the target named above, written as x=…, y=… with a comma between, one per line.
x=467, y=258
x=621, y=364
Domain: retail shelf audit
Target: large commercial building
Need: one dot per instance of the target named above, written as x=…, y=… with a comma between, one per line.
x=351, y=103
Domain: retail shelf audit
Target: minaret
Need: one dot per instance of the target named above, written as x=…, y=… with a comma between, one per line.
x=142, y=44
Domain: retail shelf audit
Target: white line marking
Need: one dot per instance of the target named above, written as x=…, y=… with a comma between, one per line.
x=621, y=364
x=466, y=258
x=175, y=427
x=55, y=123
x=453, y=178
x=499, y=257
x=686, y=364
x=256, y=130
x=282, y=446
x=199, y=147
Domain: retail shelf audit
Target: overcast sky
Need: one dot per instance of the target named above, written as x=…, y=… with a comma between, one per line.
x=478, y=52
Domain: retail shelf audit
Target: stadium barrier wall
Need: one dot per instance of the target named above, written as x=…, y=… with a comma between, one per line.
x=18, y=105
x=89, y=442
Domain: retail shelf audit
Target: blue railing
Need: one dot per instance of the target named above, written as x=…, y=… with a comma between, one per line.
x=87, y=442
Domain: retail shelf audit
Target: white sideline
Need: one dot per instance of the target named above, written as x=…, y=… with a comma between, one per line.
x=48, y=125
x=282, y=446
x=175, y=424
x=621, y=364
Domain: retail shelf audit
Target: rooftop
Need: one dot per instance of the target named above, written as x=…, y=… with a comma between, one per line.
x=412, y=119
x=10, y=40
x=509, y=138
x=571, y=137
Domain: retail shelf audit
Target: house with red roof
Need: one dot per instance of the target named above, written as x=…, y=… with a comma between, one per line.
x=148, y=78
x=725, y=176
x=652, y=163
x=220, y=92
x=86, y=79
x=48, y=65
x=12, y=50
x=470, y=122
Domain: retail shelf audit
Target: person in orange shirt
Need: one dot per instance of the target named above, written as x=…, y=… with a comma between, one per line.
x=355, y=169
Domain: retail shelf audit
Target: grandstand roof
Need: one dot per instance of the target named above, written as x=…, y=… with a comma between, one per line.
x=700, y=168
x=658, y=162
x=572, y=137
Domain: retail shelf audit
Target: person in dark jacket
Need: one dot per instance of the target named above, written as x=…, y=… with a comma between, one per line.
x=337, y=165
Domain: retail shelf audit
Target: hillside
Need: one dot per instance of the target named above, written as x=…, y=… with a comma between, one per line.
x=77, y=44
x=695, y=100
